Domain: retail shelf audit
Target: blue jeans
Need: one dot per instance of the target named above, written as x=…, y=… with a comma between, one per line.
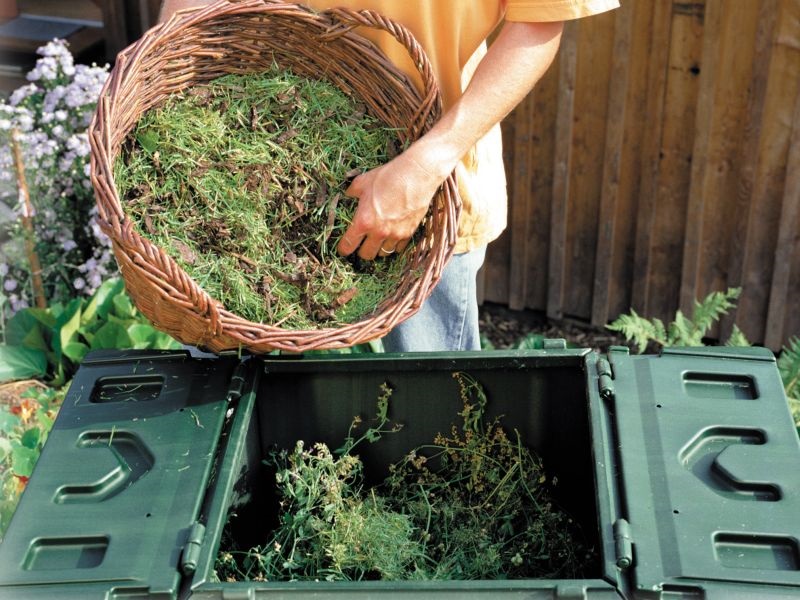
x=448, y=320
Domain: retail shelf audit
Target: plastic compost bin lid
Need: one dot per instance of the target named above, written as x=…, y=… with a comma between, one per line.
x=710, y=470
x=111, y=506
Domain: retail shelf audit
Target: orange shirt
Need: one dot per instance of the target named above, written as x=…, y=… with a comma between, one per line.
x=453, y=34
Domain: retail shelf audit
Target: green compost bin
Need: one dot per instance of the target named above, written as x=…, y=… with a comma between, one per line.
x=683, y=469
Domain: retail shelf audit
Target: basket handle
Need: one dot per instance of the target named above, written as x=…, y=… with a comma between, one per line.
x=350, y=19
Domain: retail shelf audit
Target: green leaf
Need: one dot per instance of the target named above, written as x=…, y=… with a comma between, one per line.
x=111, y=335
x=35, y=339
x=75, y=351
x=149, y=140
x=5, y=448
x=23, y=322
x=8, y=422
x=31, y=437
x=141, y=335
x=163, y=341
x=17, y=362
x=738, y=338
x=123, y=307
x=100, y=302
x=532, y=341
x=67, y=325
x=789, y=367
x=22, y=460
x=60, y=375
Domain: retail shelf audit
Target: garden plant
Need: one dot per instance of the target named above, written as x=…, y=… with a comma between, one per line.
x=81, y=305
x=51, y=114
x=692, y=331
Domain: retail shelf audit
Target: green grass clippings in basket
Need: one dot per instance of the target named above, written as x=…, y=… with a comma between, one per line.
x=242, y=183
x=224, y=210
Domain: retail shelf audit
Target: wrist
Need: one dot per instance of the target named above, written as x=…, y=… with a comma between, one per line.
x=434, y=158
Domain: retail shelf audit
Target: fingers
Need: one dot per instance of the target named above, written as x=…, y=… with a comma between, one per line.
x=351, y=240
x=369, y=247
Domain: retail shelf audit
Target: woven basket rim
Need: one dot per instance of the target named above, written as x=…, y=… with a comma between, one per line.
x=176, y=294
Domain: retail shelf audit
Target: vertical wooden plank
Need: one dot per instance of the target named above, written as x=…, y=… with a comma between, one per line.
x=519, y=202
x=556, y=274
x=754, y=127
x=694, y=228
x=656, y=84
x=776, y=87
x=783, y=316
x=714, y=194
x=532, y=174
x=622, y=167
x=595, y=48
x=540, y=186
x=661, y=234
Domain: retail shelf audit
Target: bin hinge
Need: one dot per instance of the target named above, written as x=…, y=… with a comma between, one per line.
x=605, y=379
x=623, y=543
x=237, y=383
x=191, y=550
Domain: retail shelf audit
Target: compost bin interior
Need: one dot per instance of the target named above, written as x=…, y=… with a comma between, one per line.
x=546, y=401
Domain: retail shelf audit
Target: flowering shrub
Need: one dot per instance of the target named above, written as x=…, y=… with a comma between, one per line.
x=52, y=113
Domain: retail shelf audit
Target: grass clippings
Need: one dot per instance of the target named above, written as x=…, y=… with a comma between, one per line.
x=242, y=182
x=475, y=504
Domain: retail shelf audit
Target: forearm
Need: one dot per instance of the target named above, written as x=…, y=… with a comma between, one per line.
x=517, y=59
x=168, y=7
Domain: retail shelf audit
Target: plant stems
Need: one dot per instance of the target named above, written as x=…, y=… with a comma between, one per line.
x=27, y=223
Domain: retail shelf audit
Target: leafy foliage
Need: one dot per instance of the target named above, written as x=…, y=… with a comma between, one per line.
x=686, y=332
x=683, y=331
x=51, y=113
x=789, y=367
x=50, y=343
x=24, y=426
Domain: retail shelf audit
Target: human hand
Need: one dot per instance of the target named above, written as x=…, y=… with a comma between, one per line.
x=392, y=201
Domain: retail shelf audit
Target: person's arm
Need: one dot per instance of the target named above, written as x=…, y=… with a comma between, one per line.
x=170, y=6
x=393, y=198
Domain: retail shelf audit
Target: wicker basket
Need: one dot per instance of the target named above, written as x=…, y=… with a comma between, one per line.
x=240, y=36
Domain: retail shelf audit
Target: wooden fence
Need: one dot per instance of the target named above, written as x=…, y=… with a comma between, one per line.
x=657, y=161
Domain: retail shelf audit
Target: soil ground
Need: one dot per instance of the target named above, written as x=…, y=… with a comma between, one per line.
x=504, y=328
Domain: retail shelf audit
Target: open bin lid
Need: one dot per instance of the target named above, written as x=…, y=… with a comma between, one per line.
x=119, y=483
x=710, y=470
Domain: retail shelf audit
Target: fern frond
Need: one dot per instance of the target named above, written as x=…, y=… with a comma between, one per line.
x=738, y=338
x=683, y=332
x=789, y=367
x=659, y=331
x=713, y=306
x=634, y=328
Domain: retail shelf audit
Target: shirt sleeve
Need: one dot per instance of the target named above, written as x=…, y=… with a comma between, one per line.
x=555, y=10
